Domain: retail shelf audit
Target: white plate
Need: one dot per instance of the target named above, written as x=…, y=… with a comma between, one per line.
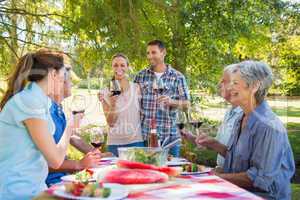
x=117, y=192
x=109, y=159
x=177, y=159
x=207, y=170
x=71, y=178
x=177, y=162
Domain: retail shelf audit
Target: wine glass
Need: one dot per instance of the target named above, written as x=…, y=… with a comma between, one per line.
x=193, y=118
x=159, y=89
x=155, y=85
x=181, y=119
x=78, y=104
x=97, y=138
x=161, y=86
x=115, y=87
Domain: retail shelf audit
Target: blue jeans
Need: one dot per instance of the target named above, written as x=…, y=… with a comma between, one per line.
x=114, y=148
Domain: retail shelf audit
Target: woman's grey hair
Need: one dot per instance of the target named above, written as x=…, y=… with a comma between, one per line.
x=253, y=72
x=230, y=68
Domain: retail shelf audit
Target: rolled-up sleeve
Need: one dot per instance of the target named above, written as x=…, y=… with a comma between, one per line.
x=266, y=159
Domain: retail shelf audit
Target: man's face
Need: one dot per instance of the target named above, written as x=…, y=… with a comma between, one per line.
x=67, y=82
x=155, y=55
x=224, y=85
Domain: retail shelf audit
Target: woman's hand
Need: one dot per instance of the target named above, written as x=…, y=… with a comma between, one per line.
x=204, y=140
x=107, y=154
x=91, y=159
x=100, y=97
x=104, y=154
x=113, y=100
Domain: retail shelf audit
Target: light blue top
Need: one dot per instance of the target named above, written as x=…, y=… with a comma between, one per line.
x=226, y=129
x=23, y=168
x=263, y=151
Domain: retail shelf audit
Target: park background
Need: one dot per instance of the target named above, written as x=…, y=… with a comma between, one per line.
x=202, y=36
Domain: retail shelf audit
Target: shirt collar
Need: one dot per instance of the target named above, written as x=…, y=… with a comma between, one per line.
x=259, y=114
x=168, y=71
x=33, y=86
x=235, y=111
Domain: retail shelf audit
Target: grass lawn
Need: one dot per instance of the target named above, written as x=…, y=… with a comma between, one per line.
x=290, y=111
x=295, y=191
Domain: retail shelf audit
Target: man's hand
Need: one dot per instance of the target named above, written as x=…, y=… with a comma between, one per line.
x=165, y=100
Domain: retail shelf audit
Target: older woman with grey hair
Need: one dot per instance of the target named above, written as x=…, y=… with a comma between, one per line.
x=258, y=156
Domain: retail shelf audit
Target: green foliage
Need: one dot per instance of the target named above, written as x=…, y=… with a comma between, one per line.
x=94, y=84
x=201, y=36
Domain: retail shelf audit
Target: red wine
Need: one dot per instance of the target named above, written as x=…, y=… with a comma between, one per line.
x=75, y=112
x=115, y=93
x=180, y=125
x=196, y=124
x=96, y=144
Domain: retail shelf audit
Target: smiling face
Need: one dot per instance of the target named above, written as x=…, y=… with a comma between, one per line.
x=120, y=67
x=240, y=93
x=155, y=55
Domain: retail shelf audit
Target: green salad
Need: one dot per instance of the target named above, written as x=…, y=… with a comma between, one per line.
x=84, y=176
x=147, y=157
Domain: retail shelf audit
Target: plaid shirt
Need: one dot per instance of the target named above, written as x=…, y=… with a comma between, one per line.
x=175, y=87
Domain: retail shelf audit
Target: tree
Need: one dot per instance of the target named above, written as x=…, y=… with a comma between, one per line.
x=26, y=25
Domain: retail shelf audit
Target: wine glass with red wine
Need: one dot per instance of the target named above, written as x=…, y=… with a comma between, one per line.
x=78, y=104
x=97, y=139
x=193, y=118
x=115, y=87
x=181, y=119
x=161, y=86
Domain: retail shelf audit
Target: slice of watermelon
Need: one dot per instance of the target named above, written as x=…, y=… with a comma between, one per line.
x=135, y=165
x=171, y=171
x=135, y=176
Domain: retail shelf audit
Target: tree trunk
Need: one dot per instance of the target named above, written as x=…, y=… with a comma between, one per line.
x=178, y=42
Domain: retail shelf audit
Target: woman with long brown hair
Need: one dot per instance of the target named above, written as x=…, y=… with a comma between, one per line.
x=122, y=112
x=27, y=146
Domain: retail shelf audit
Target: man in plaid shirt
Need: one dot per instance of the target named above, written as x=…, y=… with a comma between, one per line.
x=162, y=107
